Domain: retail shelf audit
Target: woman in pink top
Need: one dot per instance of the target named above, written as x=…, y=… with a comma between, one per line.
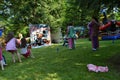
x=11, y=43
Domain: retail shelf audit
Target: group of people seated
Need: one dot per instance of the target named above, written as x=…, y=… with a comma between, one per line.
x=41, y=40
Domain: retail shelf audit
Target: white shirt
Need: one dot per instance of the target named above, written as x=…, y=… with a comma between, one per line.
x=23, y=50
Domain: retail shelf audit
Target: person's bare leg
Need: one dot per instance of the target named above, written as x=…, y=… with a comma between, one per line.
x=1, y=65
x=31, y=55
x=19, y=57
x=13, y=57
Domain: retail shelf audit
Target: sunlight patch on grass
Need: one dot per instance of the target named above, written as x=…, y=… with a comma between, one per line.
x=56, y=44
x=103, y=46
x=65, y=64
x=96, y=55
x=22, y=77
x=79, y=64
x=81, y=43
x=1, y=78
x=52, y=76
x=53, y=46
x=84, y=47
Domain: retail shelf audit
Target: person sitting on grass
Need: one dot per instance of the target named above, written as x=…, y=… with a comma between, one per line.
x=24, y=49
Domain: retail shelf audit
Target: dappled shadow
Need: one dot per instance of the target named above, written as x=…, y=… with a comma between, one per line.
x=63, y=64
x=115, y=60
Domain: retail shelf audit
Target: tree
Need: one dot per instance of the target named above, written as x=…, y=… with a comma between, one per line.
x=56, y=13
x=22, y=13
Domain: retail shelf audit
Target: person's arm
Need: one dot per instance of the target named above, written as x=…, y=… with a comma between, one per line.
x=17, y=43
x=67, y=31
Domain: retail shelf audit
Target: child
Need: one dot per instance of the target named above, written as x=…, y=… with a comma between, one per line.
x=2, y=58
x=65, y=43
x=25, y=50
x=11, y=43
x=1, y=63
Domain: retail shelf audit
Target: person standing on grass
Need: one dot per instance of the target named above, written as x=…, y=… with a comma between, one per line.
x=94, y=32
x=11, y=46
x=71, y=36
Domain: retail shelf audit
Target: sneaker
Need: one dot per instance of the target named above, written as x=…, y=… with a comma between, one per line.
x=5, y=64
x=69, y=48
x=94, y=49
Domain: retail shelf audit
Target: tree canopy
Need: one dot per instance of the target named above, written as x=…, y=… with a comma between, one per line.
x=18, y=14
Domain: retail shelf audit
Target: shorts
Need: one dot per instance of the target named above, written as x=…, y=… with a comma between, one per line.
x=12, y=51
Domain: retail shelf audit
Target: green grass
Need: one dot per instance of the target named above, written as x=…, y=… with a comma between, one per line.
x=66, y=64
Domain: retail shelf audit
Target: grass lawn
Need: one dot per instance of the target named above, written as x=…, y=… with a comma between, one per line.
x=66, y=64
